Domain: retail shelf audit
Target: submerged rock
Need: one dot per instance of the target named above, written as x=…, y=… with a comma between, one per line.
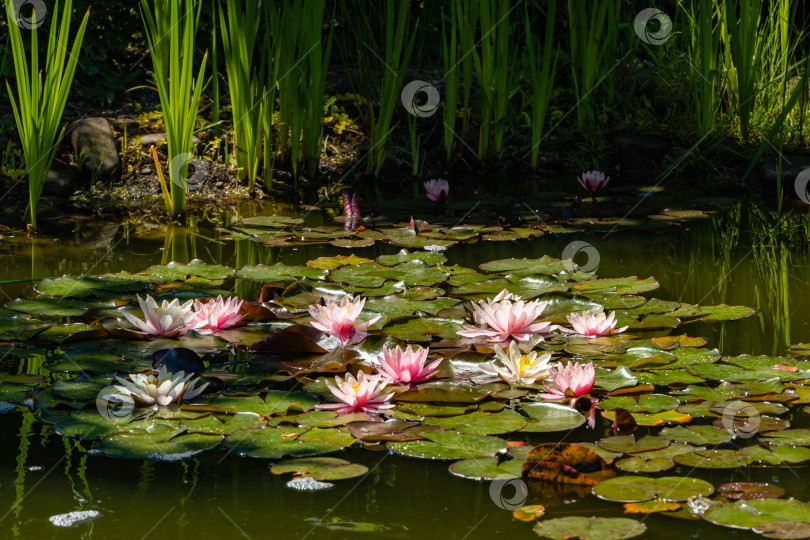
x=95, y=149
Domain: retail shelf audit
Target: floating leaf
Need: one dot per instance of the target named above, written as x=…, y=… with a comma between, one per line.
x=750, y=490
x=641, y=465
x=550, y=417
x=643, y=488
x=714, y=459
x=649, y=507
x=592, y=528
x=159, y=442
x=486, y=468
x=320, y=468
x=482, y=423
x=275, y=443
x=450, y=445
x=747, y=514
x=529, y=512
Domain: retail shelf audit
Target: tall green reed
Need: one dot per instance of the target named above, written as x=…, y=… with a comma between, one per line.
x=593, y=30
x=467, y=21
x=397, y=51
x=703, y=50
x=268, y=73
x=542, y=69
x=744, y=41
x=303, y=62
x=494, y=69
x=39, y=104
x=450, y=54
x=239, y=33
x=171, y=29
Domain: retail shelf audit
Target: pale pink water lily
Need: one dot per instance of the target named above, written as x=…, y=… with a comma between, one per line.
x=161, y=389
x=437, y=190
x=519, y=368
x=166, y=320
x=593, y=323
x=215, y=315
x=506, y=316
x=360, y=394
x=593, y=181
x=338, y=320
x=406, y=365
x=569, y=382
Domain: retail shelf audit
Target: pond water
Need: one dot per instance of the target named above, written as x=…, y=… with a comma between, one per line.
x=728, y=259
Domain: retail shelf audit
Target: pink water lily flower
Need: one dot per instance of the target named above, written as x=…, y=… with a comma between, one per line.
x=360, y=394
x=593, y=181
x=437, y=190
x=570, y=382
x=593, y=323
x=166, y=320
x=215, y=315
x=506, y=316
x=338, y=320
x=351, y=209
x=406, y=365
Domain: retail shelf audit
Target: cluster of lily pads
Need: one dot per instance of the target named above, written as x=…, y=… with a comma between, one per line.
x=285, y=377
x=441, y=229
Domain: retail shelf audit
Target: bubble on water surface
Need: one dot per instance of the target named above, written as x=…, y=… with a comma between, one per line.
x=73, y=518
x=308, y=484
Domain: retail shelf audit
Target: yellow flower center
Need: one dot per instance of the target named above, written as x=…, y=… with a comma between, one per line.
x=356, y=387
x=526, y=362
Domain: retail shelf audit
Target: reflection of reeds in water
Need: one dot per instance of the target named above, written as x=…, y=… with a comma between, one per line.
x=24, y=436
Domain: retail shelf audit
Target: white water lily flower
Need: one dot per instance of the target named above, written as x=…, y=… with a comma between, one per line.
x=519, y=368
x=161, y=389
x=166, y=320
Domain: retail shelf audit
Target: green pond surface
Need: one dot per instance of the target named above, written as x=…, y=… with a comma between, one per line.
x=726, y=259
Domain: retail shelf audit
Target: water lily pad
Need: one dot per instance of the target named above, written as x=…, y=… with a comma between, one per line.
x=415, y=328
x=428, y=257
x=628, y=285
x=621, y=377
x=279, y=272
x=551, y=417
x=85, y=286
x=529, y=512
x=450, y=445
x=393, y=305
x=482, y=423
x=320, y=468
x=651, y=403
x=750, y=490
x=783, y=529
x=714, y=459
x=629, y=444
x=52, y=307
x=87, y=424
x=330, y=263
x=778, y=454
x=374, y=275
x=650, y=507
x=525, y=267
x=486, y=468
x=747, y=514
x=329, y=418
x=175, y=271
x=697, y=434
x=644, y=488
x=592, y=528
x=275, y=402
x=159, y=442
x=641, y=465
x=275, y=443
x=723, y=313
